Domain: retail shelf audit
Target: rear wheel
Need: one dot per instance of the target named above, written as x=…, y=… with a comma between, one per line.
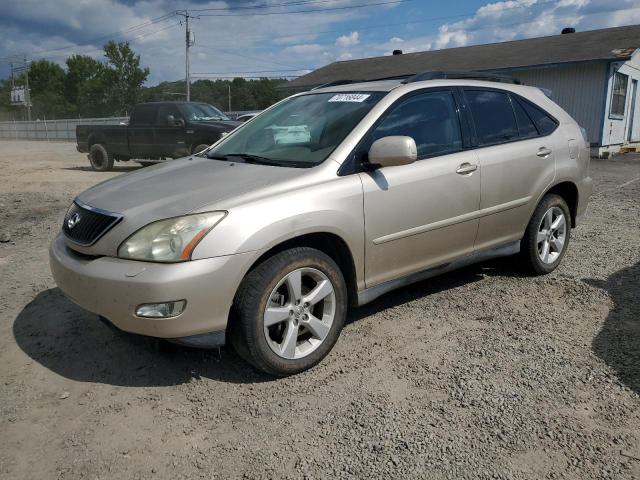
x=100, y=158
x=289, y=311
x=547, y=236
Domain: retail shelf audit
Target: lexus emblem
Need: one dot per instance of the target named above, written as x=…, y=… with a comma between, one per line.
x=73, y=220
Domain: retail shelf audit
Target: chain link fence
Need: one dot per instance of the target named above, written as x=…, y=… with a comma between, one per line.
x=63, y=130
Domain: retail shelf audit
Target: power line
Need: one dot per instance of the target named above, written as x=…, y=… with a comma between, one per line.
x=110, y=36
x=383, y=25
x=268, y=77
x=264, y=5
x=304, y=11
x=95, y=50
x=255, y=59
x=253, y=71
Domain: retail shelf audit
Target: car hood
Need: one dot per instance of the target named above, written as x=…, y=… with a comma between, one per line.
x=182, y=186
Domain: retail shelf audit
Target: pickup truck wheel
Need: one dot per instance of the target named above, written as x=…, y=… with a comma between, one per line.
x=100, y=158
x=289, y=311
x=200, y=147
x=547, y=236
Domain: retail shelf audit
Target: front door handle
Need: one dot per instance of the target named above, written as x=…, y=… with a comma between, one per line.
x=466, y=168
x=543, y=152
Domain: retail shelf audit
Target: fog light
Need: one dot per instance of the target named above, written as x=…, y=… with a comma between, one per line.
x=161, y=310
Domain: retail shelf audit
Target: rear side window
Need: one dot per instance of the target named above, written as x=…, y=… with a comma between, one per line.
x=144, y=115
x=544, y=123
x=526, y=128
x=430, y=118
x=493, y=116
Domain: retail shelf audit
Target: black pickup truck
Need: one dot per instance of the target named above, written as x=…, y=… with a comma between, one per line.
x=156, y=131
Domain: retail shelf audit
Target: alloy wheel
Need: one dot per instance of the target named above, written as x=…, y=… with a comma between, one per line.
x=552, y=235
x=299, y=313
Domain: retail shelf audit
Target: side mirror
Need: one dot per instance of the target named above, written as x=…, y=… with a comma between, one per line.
x=171, y=120
x=393, y=151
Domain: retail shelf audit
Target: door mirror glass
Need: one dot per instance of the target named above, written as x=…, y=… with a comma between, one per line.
x=174, y=122
x=393, y=151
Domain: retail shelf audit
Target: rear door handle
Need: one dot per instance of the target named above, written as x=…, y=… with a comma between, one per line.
x=543, y=152
x=466, y=168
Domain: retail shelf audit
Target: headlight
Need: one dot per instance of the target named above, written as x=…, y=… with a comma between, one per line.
x=171, y=240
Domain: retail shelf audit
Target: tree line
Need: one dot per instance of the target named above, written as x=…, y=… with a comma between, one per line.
x=86, y=87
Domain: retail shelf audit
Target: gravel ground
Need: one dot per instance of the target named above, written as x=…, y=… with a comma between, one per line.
x=481, y=373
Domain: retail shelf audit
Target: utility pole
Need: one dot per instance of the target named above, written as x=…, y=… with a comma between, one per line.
x=229, y=96
x=189, y=42
x=24, y=68
x=27, y=92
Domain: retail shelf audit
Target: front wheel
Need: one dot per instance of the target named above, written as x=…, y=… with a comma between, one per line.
x=199, y=148
x=547, y=236
x=289, y=311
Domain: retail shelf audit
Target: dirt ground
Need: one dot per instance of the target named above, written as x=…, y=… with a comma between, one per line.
x=481, y=373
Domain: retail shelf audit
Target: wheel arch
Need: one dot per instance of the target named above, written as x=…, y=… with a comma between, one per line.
x=96, y=138
x=205, y=140
x=568, y=190
x=329, y=243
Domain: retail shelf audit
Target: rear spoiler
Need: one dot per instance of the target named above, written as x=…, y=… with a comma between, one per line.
x=547, y=92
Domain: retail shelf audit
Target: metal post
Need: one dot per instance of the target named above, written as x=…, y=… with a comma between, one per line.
x=229, y=97
x=187, y=42
x=46, y=130
x=27, y=93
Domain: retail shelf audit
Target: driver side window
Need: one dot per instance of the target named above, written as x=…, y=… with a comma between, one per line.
x=430, y=118
x=163, y=115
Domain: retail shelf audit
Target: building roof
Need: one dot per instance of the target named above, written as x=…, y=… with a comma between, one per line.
x=617, y=43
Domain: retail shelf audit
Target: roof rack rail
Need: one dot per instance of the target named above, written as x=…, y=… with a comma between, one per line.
x=442, y=75
x=347, y=82
x=336, y=83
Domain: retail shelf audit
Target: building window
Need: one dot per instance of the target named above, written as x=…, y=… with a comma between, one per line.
x=618, y=95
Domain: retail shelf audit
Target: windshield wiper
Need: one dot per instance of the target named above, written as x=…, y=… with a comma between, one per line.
x=257, y=159
x=250, y=158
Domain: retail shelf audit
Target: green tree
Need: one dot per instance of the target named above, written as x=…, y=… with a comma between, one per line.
x=82, y=83
x=122, y=77
x=46, y=82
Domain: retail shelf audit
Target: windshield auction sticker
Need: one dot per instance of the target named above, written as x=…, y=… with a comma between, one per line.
x=349, y=97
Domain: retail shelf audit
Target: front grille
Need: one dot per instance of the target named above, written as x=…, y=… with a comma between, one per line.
x=90, y=223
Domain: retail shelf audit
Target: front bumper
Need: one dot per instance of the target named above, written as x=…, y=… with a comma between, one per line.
x=114, y=287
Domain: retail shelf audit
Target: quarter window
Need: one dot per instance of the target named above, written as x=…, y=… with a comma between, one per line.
x=493, y=116
x=526, y=128
x=544, y=123
x=619, y=94
x=430, y=118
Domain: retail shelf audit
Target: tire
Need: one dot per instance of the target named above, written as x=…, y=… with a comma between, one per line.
x=317, y=327
x=200, y=147
x=100, y=158
x=538, y=239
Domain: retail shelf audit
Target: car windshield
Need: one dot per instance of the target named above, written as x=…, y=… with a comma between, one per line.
x=202, y=111
x=301, y=131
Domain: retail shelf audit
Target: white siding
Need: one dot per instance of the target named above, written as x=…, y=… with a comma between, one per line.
x=579, y=89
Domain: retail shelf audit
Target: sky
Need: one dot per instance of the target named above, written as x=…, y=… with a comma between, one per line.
x=274, y=38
